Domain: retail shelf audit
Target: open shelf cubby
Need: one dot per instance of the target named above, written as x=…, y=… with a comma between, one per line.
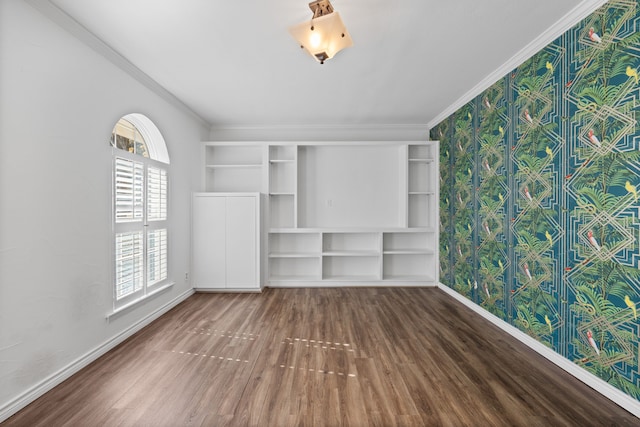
x=232, y=168
x=408, y=267
x=292, y=244
x=294, y=269
x=282, y=210
x=350, y=244
x=351, y=268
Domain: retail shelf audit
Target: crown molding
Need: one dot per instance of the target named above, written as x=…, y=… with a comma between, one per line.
x=316, y=132
x=574, y=16
x=80, y=32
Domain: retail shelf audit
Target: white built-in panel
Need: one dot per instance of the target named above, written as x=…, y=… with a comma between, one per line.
x=209, y=242
x=241, y=238
x=226, y=241
x=350, y=186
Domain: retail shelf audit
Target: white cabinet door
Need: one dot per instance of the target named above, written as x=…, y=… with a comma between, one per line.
x=241, y=242
x=226, y=242
x=209, y=242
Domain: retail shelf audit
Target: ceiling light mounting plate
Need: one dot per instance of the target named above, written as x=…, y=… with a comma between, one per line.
x=320, y=8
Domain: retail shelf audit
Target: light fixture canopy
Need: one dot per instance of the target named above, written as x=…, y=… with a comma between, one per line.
x=323, y=36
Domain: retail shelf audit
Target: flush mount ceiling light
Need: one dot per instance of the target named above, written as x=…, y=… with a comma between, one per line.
x=323, y=36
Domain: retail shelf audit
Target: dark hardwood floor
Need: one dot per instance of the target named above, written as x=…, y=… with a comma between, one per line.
x=322, y=357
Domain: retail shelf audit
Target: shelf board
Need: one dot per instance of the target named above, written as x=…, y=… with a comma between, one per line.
x=407, y=278
x=421, y=193
x=235, y=166
x=289, y=278
x=281, y=161
x=330, y=278
x=285, y=230
x=351, y=253
x=408, y=252
x=282, y=193
x=294, y=255
x=421, y=160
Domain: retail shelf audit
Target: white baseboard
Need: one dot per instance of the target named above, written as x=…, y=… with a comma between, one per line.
x=348, y=284
x=49, y=383
x=602, y=387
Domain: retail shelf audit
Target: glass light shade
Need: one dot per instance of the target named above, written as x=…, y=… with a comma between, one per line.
x=328, y=37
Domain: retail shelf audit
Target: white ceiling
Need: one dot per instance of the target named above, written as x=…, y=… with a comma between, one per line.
x=234, y=63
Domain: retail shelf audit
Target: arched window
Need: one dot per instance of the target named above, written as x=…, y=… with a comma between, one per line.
x=140, y=196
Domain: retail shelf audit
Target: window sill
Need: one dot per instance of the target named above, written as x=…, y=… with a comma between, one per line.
x=129, y=306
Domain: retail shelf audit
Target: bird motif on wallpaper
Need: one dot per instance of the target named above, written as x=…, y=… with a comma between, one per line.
x=549, y=152
x=525, y=267
x=549, y=66
x=527, y=194
x=632, y=72
x=469, y=284
x=548, y=322
x=593, y=240
x=592, y=342
x=469, y=172
x=500, y=197
x=527, y=116
x=594, y=139
x=460, y=146
x=593, y=36
x=469, y=116
x=486, y=102
x=549, y=237
x=486, y=228
x=500, y=265
x=485, y=164
x=486, y=290
x=501, y=130
x=631, y=305
x=631, y=189
x=459, y=250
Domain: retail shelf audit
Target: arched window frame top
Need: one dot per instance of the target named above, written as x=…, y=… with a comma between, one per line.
x=154, y=140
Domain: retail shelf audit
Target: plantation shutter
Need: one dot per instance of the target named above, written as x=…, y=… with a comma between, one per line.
x=156, y=194
x=156, y=256
x=129, y=190
x=129, y=263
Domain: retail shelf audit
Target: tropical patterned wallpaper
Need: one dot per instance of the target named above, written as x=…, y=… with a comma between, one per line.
x=540, y=217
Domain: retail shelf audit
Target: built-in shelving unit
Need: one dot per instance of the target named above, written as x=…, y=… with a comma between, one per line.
x=283, y=185
x=339, y=213
x=422, y=185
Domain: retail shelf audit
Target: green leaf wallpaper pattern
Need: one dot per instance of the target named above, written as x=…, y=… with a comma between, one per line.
x=539, y=209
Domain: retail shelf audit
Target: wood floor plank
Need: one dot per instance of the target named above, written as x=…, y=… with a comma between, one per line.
x=322, y=357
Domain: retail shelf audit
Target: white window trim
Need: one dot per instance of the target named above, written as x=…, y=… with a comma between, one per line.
x=158, y=159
